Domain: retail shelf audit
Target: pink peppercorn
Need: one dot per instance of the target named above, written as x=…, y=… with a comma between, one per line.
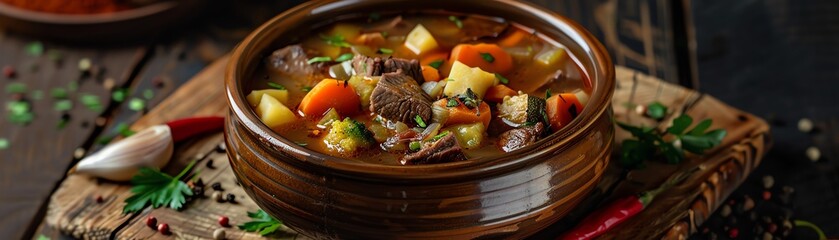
x=151, y=221
x=163, y=229
x=224, y=221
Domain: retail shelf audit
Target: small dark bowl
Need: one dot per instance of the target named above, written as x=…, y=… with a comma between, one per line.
x=509, y=196
x=141, y=22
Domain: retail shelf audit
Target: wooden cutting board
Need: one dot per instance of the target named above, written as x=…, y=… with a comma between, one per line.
x=73, y=208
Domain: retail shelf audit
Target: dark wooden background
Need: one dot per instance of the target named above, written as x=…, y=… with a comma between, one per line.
x=774, y=58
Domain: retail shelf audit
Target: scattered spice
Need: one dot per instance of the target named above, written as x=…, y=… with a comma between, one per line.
x=109, y=84
x=119, y=95
x=209, y=164
x=99, y=199
x=230, y=198
x=217, y=186
x=218, y=196
x=34, y=48
x=224, y=221
x=805, y=125
x=19, y=112
x=813, y=154
x=158, y=82
x=55, y=55
x=768, y=181
x=73, y=86
x=85, y=64
x=9, y=71
x=221, y=148
x=79, y=153
x=766, y=195
x=163, y=229
x=151, y=221
x=219, y=234
x=91, y=102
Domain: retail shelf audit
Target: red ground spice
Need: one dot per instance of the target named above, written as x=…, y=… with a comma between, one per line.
x=71, y=6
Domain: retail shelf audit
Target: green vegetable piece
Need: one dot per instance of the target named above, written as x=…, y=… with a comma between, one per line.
x=16, y=88
x=276, y=85
x=419, y=121
x=386, y=50
x=504, y=80
x=91, y=102
x=344, y=57
x=456, y=21
x=656, y=110
x=155, y=188
x=34, y=48
x=148, y=94
x=58, y=93
x=19, y=112
x=415, y=146
x=63, y=105
x=261, y=223
x=487, y=57
x=348, y=136
x=319, y=59
x=136, y=104
x=436, y=64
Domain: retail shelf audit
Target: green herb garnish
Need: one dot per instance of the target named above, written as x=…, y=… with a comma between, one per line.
x=34, y=48
x=386, y=50
x=336, y=40
x=650, y=142
x=136, y=104
x=119, y=94
x=419, y=121
x=19, y=112
x=37, y=94
x=261, y=223
x=16, y=88
x=456, y=21
x=452, y=102
x=148, y=94
x=306, y=89
x=155, y=188
x=487, y=57
x=502, y=79
x=91, y=102
x=469, y=99
x=58, y=93
x=439, y=136
x=344, y=57
x=302, y=144
x=63, y=105
x=415, y=146
x=4, y=143
x=319, y=59
x=548, y=95
x=656, y=110
x=276, y=85
x=436, y=64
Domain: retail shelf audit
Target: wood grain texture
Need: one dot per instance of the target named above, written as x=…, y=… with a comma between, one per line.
x=40, y=152
x=72, y=211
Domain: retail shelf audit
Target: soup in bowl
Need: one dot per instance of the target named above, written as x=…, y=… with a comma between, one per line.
x=392, y=119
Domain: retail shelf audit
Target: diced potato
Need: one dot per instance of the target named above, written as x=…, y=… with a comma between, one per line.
x=420, y=40
x=468, y=135
x=463, y=77
x=255, y=97
x=364, y=86
x=273, y=113
x=349, y=31
x=551, y=57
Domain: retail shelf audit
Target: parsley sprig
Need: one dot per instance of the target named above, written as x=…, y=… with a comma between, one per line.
x=650, y=142
x=155, y=188
x=261, y=223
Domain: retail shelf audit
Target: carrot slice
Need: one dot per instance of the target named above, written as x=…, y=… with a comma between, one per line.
x=462, y=114
x=430, y=73
x=488, y=57
x=513, y=39
x=497, y=93
x=330, y=93
x=433, y=57
x=562, y=109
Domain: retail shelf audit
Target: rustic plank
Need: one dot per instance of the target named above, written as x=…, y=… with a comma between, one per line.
x=40, y=152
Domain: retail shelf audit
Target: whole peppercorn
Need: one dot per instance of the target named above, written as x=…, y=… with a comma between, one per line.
x=224, y=221
x=772, y=228
x=217, y=186
x=99, y=199
x=231, y=198
x=163, y=229
x=151, y=221
x=219, y=234
x=768, y=181
x=210, y=164
x=218, y=196
x=9, y=71
x=733, y=232
x=766, y=195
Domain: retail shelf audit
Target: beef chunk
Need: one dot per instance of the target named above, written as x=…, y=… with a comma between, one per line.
x=291, y=61
x=443, y=150
x=368, y=66
x=398, y=97
x=480, y=28
x=521, y=137
x=409, y=67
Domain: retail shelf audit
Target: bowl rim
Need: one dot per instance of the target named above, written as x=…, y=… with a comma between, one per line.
x=601, y=75
x=84, y=19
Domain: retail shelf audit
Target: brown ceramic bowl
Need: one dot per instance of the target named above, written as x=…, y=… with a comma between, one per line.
x=141, y=22
x=509, y=196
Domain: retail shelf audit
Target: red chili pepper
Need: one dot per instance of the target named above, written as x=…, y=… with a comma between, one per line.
x=189, y=127
x=597, y=223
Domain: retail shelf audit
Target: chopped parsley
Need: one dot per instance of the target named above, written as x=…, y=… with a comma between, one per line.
x=91, y=102
x=502, y=79
x=487, y=57
x=20, y=112
x=136, y=104
x=344, y=57
x=548, y=95
x=35, y=48
x=319, y=59
x=436, y=64
x=58, y=93
x=649, y=142
x=336, y=40
x=452, y=102
x=16, y=88
x=276, y=85
x=63, y=105
x=456, y=21
x=119, y=95
x=386, y=50
x=415, y=146
x=4, y=143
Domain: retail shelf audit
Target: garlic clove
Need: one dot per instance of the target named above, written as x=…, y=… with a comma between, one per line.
x=120, y=161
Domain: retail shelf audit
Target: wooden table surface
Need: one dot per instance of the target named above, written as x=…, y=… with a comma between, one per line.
x=39, y=153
